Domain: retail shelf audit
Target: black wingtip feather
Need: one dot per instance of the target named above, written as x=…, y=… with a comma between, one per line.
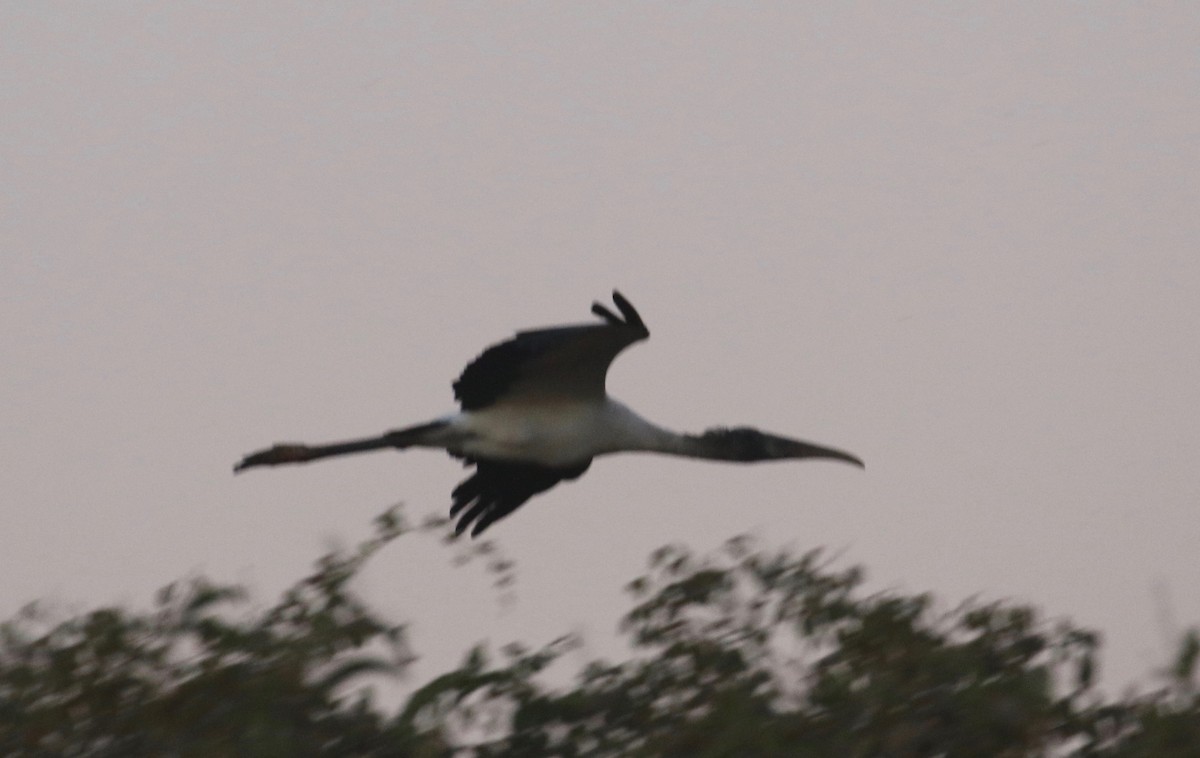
x=473, y=515
x=632, y=317
x=607, y=315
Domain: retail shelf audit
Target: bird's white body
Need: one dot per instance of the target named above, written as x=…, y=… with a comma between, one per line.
x=558, y=434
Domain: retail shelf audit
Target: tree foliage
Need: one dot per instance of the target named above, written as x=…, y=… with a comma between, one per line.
x=748, y=652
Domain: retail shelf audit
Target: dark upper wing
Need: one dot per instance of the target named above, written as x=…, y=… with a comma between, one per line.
x=497, y=488
x=565, y=361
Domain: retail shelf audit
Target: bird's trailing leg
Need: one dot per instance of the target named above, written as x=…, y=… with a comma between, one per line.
x=273, y=456
x=297, y=453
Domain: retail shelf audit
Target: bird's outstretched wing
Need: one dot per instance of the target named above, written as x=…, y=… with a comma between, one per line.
x=565, y=362
x=497, y=488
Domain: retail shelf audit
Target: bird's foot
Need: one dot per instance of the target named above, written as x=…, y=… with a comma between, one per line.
x=273, y=456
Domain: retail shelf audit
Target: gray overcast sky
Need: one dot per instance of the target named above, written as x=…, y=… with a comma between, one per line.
x=960, y=240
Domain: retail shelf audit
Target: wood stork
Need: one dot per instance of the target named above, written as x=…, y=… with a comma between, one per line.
x=535, y=412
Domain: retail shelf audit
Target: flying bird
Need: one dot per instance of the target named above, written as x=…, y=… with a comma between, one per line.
x=535, y=412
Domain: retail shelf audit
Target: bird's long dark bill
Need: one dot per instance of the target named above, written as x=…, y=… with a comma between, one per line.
x=799, y=449
x=293, y=453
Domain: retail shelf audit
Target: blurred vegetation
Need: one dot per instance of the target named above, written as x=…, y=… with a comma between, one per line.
x=747, y=652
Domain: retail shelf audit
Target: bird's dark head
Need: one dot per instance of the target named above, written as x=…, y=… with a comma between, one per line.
x=748, y=445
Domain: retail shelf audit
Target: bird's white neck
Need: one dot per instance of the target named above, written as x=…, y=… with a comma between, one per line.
x=625, y=430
